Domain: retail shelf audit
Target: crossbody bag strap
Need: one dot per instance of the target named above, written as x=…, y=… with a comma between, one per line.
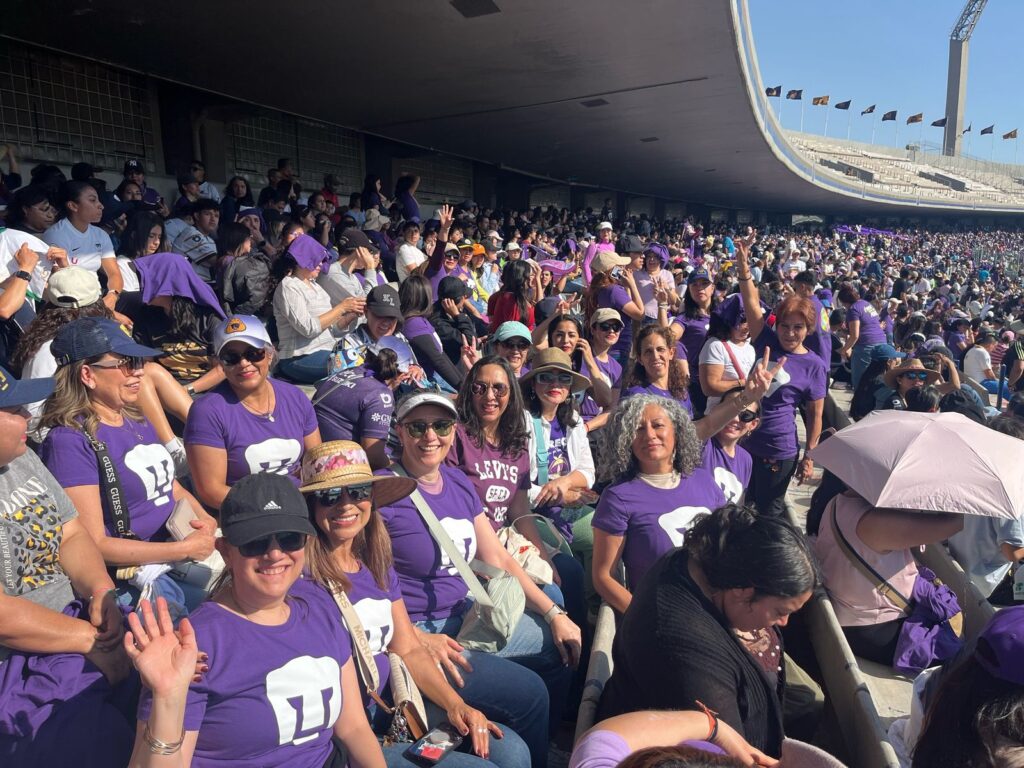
x=445, y=542
x=886, y=589
x=542, y=450
x=364, y=656
x=111, y=494
x=735, y=360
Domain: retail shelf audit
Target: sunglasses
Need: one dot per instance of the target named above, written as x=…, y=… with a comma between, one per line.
x=252, y=354
x=441, y=427
x=357, y=492
x=610, y=327
x=480, y=388
x=126, y=365
x=565, y=379
x=291, y=541
x=747, y=416
x=915, y=376
x=520, y=346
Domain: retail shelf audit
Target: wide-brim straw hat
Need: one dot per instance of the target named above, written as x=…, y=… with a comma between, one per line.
x=913, y=364
x=340, y=463
x=554, y=360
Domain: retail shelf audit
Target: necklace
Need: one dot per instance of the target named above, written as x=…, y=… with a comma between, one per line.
x=268, y=413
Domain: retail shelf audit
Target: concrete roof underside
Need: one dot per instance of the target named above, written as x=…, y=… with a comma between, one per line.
x=504, y=88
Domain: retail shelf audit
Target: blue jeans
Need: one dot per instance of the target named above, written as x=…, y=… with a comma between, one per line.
x=860, y=359
x=306, y=369
x=992, y=386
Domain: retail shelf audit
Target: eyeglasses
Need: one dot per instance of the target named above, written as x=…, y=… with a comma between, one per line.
x=564, y=379
x=357, y=492
x=126, y=365
x=252, y=354
x=480, y=388
x=915, y=375
x=441, y=427
x=610, y=327
x=747, y=416
x=292, y=541
x=520, y=346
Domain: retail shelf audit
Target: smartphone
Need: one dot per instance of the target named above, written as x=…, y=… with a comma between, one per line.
x=178, y=524
x=435, y=746
x=616, y=273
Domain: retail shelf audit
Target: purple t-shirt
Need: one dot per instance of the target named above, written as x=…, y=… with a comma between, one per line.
x=616, y=297
x=272, y=694
x=606, y=749
x=776, y=439
x=373, y=606
x=654, y=520
x=420, y=326
x=819, y=340
x=496, y=477
x=613, y=371
x=695, y=333
x=431, y=585
x=650, y=389
x=352, y=405
x=253, y=443
x=731, y=473
x=144, y=469
x=870, y=326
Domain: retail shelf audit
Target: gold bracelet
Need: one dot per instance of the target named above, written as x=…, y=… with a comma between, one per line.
x=158, y=747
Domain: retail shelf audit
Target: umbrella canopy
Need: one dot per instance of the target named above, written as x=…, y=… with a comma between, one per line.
x=933, y=462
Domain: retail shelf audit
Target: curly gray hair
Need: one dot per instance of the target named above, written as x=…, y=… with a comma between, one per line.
x=620, y=464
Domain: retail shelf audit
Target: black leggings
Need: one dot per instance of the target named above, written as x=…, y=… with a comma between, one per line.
x=875, y=642
x=768, y=483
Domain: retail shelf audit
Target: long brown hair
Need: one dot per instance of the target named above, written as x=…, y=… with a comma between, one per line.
x=601, y=280
x=678, y=380
x=371, y=547
x=676, y=757
x=70, y=406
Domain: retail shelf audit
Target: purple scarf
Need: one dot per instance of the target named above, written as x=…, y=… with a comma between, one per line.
x=170, y=274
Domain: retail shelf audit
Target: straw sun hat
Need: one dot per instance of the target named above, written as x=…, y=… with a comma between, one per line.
x=340, y=463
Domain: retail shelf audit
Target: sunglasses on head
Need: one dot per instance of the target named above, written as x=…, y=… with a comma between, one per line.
x=915, y=375
x=441, y=427
x=291, y=541
x=126, y=364
x=252, y=354
x=565, y=379
x=480, y=388
x=747, y=416
x=611, y=326
x=333, y=496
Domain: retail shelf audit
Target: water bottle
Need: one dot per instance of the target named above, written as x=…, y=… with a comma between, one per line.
x=1018, y=584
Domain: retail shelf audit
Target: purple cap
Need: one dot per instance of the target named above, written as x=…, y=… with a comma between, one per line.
x=1000, y=647
x=308, y=252
x=825, y=297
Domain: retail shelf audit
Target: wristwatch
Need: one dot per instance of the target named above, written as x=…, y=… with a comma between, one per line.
x=554, y=610
x=26, y=276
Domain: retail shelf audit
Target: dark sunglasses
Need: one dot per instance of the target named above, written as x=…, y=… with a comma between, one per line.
x=519, y=346
x=252, y=354
x=480, y=388
x=747, y=416
x=915, y=375
x=126, y=365
x=610, y=327
x=333, y=496
x=565, y=379
x=441, y=427
x=292, y=541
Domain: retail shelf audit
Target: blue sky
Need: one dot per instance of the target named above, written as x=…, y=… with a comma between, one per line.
x=893, y=54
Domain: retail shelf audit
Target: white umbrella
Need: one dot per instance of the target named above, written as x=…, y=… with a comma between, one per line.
x=933, y=462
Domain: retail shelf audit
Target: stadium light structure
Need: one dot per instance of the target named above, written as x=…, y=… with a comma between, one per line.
x=956, y=81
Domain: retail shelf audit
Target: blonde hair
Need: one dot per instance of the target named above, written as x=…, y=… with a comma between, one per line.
x=70, y=405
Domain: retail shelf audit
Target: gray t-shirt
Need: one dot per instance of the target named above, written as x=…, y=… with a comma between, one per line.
x=33, y=511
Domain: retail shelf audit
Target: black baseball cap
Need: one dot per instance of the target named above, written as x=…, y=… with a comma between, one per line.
x=133, y=166
x=631, y=244
x=15, y=392
x=261, y=505
x=94, y=336
x=383, y=301
x=353, y=238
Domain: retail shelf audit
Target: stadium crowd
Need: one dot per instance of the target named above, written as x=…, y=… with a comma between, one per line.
x=291, y=476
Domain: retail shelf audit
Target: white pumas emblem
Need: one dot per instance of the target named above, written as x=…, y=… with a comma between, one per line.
x=271, y=505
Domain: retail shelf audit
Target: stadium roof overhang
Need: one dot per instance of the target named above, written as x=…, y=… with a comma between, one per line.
x=653, y=97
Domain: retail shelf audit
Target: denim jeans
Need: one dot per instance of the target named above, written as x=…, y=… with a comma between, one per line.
x=992, y=386
x=860, y=359
x=306, y=369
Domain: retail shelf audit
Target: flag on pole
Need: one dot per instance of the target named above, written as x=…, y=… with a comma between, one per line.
x=915, y=118
x=985, y=131
x=889, y=116
x=776, y=91
x=869, y=110
x=794, y=95
x=820, y=101
x=843, y=105
x=939, y=123
x=967, y=129
x=1011, y=135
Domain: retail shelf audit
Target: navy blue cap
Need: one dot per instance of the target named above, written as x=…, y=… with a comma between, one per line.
x=700, y=273
x=94, y=336
x=15, y=392
x=886, y=352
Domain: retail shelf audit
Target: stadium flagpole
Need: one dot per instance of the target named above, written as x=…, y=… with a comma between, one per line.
x=826, y=121
x=801, y=115
x=849, y=124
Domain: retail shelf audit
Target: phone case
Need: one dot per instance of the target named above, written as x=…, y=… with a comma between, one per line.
x=435, y=746
x=178, y=523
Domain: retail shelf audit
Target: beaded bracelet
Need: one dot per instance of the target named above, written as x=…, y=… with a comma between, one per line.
x=158, y=747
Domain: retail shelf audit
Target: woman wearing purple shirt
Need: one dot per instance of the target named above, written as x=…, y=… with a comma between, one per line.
x=864, y=328
x=803, y=383
x=565, y=332
x=278, y=684
x=725, y=458
x=613, y=287
x=351, y=554
x=690, y=329
x=250, y=423
x=656, y=370
x=605, y=327
x=416, y=305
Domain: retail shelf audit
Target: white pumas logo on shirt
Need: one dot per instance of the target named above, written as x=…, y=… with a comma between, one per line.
x=271, y=505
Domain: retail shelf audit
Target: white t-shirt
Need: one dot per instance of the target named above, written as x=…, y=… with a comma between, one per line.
x=715, y=353
x=85, y=249
x=976, y=361
x=407, y=259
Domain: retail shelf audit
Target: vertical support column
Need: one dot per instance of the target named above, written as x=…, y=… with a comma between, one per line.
x=956, y=97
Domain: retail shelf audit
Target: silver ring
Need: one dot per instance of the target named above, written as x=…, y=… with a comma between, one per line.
x=481, y=730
